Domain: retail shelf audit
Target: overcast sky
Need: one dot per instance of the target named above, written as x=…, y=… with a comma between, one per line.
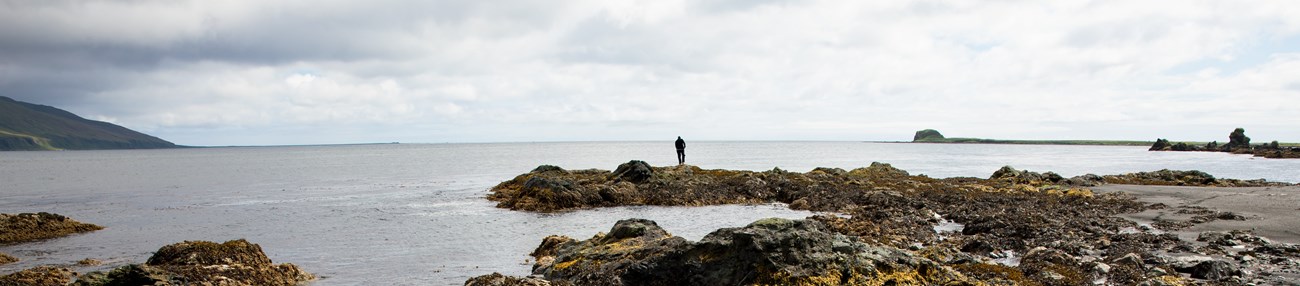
x=309, y=72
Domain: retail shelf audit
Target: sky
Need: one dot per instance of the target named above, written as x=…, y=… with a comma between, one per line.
x=216, y=73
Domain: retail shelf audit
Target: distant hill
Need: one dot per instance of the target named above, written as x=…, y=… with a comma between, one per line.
x=26, y=126
x=933, y=136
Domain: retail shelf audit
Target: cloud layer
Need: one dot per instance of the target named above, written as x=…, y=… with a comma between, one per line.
x=301, y=72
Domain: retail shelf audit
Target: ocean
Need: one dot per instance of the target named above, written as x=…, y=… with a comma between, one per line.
x=415, y=214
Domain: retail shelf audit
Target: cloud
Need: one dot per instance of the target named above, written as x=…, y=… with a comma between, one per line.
x=245, y=72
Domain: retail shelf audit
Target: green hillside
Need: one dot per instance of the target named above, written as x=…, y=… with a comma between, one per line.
x=26, y=126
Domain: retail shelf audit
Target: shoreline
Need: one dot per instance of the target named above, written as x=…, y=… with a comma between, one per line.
x=1272, y=212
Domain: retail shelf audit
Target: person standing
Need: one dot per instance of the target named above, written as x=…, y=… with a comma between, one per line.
x=681, y=151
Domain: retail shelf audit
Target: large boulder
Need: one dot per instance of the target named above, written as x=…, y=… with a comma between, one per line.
x=635, y=171
x=767, y=252
x=927, y=135
x=37, y=226
x=235, y=262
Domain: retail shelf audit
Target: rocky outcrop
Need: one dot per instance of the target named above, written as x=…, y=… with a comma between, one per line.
x=39, y=276
x=235, y=262
x=6, y=259
x=927, y=135
x=1072, y=232
x=1183, y=178
x=766, y=252
x=1237, y=140
x=1238, y=143
x=26, y=227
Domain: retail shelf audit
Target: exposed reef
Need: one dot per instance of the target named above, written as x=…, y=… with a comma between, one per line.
x=767, y=252
x=1238, y=143
x=6, y=259
x=235, y=262
x=1015, y=227
x=26, y=227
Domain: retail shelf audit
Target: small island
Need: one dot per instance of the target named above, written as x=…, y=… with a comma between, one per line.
x=1238, y=143
x=933, y=136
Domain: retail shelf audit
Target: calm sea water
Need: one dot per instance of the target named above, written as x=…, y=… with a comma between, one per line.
x=414, y=214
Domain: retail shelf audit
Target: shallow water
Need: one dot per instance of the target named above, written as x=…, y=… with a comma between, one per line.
x=414, y=214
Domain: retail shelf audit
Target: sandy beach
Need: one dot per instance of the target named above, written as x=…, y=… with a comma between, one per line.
x=1272, y=212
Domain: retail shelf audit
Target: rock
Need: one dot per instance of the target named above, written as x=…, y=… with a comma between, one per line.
x=1101, y=268
x=39, y=276
x=133, y=274
x=89, y=262
x=1009, y=174
x=6, y=259
x=26, y=227
x=1214, y=270
x=927, y=135
x=1237, y=140
x=496, y=279
x=1086, y=180
x=635, y=171
x=1160, y=145
x=235, y=262
x=548, y=168
x=1131, y=259
x=767, y=252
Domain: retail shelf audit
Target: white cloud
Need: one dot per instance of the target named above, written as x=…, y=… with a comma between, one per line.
x=594, y=70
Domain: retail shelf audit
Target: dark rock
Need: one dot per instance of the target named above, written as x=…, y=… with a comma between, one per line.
x=1161, y=145
x=26, y=227
x=235, y=262
x=1211, y=270
x=133, y=274
x=548, y=168
x=6, y=259
x=635, y=171
x=927, y=135
x=496, y=279
x=1007, y=173
x=767, y=252
x=1237, y=140
x=39, y=276
x=1086, y=180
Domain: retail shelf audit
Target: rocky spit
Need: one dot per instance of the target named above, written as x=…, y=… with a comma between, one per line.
x=883, y=226
x=1238, y=143
x=24, y=227
x=235, y=262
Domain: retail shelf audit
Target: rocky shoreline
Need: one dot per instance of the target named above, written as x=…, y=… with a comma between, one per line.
x=1238, y=143
x=1015, y=228
x=235, y=262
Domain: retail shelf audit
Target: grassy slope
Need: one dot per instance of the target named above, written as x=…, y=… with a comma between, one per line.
x=26, y=126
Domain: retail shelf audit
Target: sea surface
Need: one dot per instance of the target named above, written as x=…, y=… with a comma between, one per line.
x=415, y=214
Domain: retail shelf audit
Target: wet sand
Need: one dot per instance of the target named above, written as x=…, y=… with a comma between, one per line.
x=1272, y=212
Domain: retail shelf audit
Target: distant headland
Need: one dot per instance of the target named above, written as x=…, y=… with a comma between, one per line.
x=30, y=127
x=933, y=136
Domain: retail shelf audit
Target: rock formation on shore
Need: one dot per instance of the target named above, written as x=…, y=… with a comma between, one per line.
x=1060, y=232
x=927, y=135
x=6, y=259
x=767, y=252
x=26, y=227
x=235, y=262
x=40, y=276
x=1238, y=143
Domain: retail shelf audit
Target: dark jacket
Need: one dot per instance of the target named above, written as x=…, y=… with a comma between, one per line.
x=681, y=144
